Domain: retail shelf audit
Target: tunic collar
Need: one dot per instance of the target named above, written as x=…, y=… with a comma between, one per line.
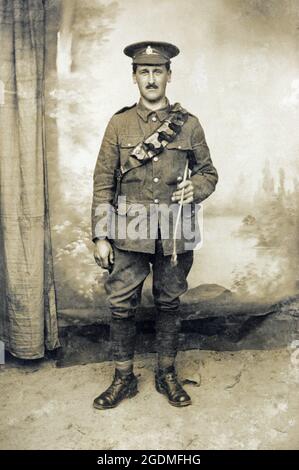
x=161, y=113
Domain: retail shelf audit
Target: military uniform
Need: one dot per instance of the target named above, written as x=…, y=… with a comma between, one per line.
x=150, y=185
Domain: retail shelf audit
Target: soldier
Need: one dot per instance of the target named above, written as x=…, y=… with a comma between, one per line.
x=153, y=154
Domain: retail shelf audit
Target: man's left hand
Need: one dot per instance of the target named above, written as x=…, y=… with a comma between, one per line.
x=188, y=193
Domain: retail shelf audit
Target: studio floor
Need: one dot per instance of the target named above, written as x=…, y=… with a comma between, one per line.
x=241, y=400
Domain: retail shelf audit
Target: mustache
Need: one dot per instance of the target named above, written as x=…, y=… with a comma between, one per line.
x=154, y=87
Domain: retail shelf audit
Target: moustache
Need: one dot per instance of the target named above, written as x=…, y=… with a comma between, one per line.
x=154, y=87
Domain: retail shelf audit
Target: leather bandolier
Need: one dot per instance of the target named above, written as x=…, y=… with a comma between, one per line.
x=152, y=145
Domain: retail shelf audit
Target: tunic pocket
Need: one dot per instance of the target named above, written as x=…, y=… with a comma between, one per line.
x=133, y=180
x=178, y=153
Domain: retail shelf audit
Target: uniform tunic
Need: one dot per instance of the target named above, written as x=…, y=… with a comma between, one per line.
x=153, y=183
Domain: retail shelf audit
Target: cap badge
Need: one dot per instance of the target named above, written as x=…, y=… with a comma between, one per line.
x=149, y=50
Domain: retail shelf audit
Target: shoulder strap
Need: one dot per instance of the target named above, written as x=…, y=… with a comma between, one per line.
x=125, y=108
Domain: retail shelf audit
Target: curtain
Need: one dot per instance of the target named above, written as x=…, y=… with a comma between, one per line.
x=28, y=316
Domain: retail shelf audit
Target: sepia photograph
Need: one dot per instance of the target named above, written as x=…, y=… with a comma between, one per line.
x=149, y=228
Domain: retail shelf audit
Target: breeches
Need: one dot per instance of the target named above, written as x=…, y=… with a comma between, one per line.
x=130, y=269
x=124, y=288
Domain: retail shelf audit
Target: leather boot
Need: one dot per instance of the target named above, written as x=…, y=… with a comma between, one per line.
x=122, y=387
x=168, y=384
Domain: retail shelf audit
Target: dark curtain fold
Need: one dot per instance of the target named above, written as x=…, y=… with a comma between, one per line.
x=28, y=317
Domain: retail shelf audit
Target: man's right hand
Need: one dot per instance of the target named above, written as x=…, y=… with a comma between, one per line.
x=103, y=254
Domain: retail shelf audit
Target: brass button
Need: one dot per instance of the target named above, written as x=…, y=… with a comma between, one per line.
x=155, y=159
x=156, y=180
x=179, y=178
x=156, y=201
x=154, y=118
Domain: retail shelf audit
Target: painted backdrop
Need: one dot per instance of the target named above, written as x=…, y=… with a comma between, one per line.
x=238, y=72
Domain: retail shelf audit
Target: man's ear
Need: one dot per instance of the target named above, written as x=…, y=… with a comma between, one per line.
x=169, y=76
x=134, y=78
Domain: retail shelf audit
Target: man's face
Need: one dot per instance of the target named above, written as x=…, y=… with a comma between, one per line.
x=152, y=81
